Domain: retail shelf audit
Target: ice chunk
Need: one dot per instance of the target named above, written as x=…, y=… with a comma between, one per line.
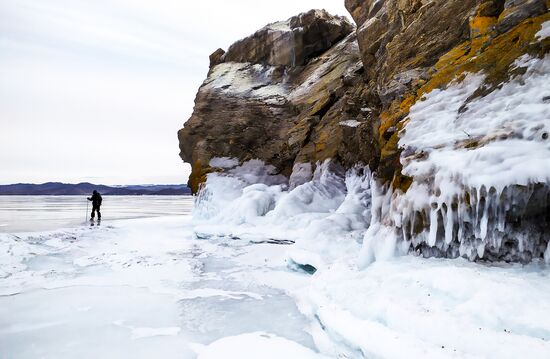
x=379, y=243
x=255, y=182
x=301, y=173
x=224, y=162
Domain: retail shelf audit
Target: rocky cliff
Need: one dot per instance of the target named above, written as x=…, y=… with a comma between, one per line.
x=446, y=102
x=290, y=94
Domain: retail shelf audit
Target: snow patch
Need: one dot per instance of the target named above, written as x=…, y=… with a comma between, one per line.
x=544, y=32
x=350, y=123
x=246, y=80
x=224, y=162
x=283, y=26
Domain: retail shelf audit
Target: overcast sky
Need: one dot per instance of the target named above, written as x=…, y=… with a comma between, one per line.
x=96, y=90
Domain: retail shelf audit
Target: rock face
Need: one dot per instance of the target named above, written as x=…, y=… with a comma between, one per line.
x=412, y=49
x=405, y=43
x=314, y=87
x=291, y=43
x=284, y=95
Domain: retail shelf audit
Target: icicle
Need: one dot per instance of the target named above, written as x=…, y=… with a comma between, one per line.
x=484, y=221
x=460, y=215
x=501, y=205
x=449, y=226
x=481, y=249
x=433, y=226
x=521, y=245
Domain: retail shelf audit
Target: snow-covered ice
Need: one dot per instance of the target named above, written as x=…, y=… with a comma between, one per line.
x=394, y=307
x=141, y=288
x=433, y=308
x=180, y=287
x=397, y=306
x=263, y=268
x=258, y=345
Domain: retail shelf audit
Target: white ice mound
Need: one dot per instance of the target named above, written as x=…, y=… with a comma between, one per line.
x=239, y=194
x=480, y=169
x=413, y=307
x=334, y=234
x=324, y=216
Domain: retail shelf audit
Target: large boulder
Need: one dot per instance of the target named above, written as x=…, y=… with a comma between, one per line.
x=291, y=93
x=293, y=42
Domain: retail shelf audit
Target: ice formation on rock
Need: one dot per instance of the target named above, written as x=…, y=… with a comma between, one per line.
x=480, y=172
x=480, y=169
x=324, y=216
x=544, y=31
x=455, y=130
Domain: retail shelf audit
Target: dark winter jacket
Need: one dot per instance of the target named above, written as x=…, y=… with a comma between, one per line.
x=96, y=199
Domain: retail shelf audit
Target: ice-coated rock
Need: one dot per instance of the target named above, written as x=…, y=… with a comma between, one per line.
x=444, y=101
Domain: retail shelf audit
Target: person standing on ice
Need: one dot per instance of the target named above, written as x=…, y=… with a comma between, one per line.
x=96, y=204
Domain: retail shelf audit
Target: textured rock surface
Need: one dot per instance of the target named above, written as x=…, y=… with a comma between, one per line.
x=410, y=49
x=406, y=43
x=293, y=42
x=267, y=99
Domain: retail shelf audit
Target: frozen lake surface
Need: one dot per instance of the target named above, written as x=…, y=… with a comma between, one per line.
x=38, y=213
x=140, y=288
x=160, y=286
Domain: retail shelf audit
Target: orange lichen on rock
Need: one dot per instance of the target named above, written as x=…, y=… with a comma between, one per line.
x=198, y=175
x=486, y=52
x=481, y=25
x=490, y=56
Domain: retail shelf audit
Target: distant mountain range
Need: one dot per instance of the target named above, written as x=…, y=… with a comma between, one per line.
x=85, y=188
